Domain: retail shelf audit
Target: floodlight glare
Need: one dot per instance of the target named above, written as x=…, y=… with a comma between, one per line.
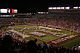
x=54, y=8
x=50, y=7
x=62, y=7
x=75, y=7
x=58, y=8
x=78, y=7
x=67, y=7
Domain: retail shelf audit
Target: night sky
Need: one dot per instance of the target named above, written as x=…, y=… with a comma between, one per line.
x=36, y=5
x=64, y=3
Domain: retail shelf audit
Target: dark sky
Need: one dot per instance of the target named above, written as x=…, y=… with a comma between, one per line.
x=36, y=5
x=64, y=3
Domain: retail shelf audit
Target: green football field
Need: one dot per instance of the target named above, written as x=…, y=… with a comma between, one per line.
x=41, y=33
x=44, y=34
x=71, y=43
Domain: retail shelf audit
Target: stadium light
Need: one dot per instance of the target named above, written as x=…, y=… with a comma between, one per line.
x=50, y=8
x=42, y=12
x=38, y=12
x=58, y=7
x=79, y=47
x=54, y=8
x=62, y=7
x=67, y=7
x=75, y=7
x=79, y=7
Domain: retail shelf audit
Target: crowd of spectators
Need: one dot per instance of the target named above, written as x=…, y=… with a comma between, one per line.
x=67, y=22
x=60, y=22
x=8, y=44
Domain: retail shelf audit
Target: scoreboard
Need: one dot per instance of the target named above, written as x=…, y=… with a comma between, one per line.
x=8, y=10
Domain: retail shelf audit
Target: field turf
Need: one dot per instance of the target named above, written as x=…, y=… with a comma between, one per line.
x=50, y=34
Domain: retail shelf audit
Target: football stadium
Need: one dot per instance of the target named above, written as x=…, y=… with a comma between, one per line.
x=54, y=31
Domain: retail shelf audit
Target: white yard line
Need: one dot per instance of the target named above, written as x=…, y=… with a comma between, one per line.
x=50, y=28
x=19, y=33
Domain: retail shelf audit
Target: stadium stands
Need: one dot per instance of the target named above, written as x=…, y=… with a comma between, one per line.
x=68, y=21
x=14, y=45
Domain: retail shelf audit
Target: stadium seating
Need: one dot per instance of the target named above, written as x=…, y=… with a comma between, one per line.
x=16, y=45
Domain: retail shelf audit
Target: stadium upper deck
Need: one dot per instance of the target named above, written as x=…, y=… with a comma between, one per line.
x=53, y=10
